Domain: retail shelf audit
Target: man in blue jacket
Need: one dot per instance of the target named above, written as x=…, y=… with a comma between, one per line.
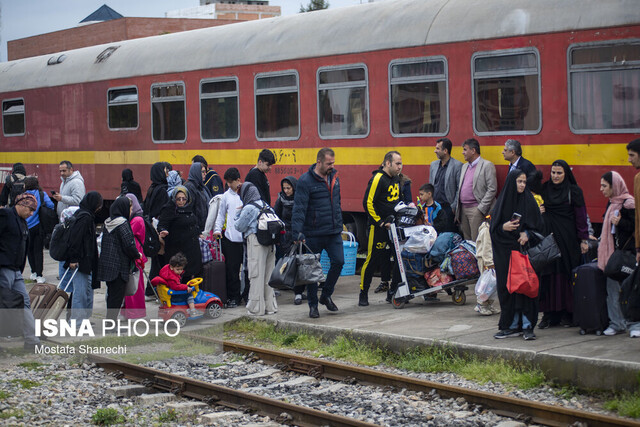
x=317, y=220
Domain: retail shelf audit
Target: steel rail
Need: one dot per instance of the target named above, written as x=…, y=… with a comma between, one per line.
x=225, y=396
x=532, y=411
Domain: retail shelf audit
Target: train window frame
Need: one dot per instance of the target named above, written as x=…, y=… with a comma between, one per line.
x=596, y=67
x=343, y=85
x=419, y=79
x=274, y=91
x=109, y=104
x=170, y=99
x=236, y=93
x=505, y=73
x=24, y=117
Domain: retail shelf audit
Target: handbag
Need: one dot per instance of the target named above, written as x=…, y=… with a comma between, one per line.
x=309, y=267
x=621, y=264
x=205, y=250
x=522, y=279
x=132, y=283
x=630, y=296
x=544, y=253
x=284, y=273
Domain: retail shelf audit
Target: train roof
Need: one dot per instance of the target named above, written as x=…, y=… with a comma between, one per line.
x=361, y=28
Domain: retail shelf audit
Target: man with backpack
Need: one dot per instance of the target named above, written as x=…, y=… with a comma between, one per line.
x=13, y=185
x=317, y=220
x=71, y=188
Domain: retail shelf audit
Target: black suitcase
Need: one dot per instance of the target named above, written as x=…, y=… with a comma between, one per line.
x=214, y=279
x=590, y=299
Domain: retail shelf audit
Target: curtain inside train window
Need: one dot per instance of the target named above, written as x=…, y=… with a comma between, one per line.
x=219, y=110
x=168, y=117
x=506, y=87
x=13, y=122
x=343, y=104
x=418, y=97
x=605, y=87
x=277, y=106
x=122, y=104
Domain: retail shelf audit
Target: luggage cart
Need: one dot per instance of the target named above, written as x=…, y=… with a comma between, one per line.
x=403, y=294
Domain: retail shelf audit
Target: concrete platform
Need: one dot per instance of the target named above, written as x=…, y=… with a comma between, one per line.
x=588, y=361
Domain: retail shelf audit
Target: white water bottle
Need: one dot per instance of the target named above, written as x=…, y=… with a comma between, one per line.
x=613, y=226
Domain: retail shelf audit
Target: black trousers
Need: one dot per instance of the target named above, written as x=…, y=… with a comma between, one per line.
x=34, y=250
x=378, y=254
x=233, y=256
x=115, y=297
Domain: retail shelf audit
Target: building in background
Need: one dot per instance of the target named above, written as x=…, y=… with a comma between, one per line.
x=105, y=25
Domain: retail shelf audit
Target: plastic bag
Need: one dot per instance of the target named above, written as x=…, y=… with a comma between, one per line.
x=486, y=285
x=421, y=240
x=309, y=268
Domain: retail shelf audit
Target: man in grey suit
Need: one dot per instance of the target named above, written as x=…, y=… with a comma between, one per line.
x=444, y=174
x=512, y=153
x=477, y=190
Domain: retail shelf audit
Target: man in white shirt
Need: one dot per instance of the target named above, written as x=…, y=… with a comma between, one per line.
x=232, y=240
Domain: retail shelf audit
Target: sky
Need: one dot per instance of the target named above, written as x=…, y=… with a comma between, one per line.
x=25, y=18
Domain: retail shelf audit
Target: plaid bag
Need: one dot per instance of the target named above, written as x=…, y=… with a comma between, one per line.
x=206, y=250
x=464, y=264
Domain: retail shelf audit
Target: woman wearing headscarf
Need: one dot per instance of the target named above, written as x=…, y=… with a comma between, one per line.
x=156, y=200
x=117, y=254
x=260, y=258
x=565, y=215
x=178, y=226
x=618, y=229
x=83, y=256
x=129, y=186
x=134, y=305
x=519, y=313
x=199, y=193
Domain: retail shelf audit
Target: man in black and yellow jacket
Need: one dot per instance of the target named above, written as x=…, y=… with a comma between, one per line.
x=380, y=199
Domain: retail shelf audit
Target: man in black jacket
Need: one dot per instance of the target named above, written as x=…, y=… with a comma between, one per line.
x=258, y=175
x=513, y=154
x=13, y=255
x=380, y=199
x=317, y=220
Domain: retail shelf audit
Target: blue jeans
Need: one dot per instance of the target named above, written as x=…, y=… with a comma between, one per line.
x=13, y=280
x=333, y=245
x=82, y=299
x=616, y=318
x=526, y=323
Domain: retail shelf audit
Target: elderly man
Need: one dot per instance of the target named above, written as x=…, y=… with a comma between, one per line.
x=512, y=153
x=477, y=190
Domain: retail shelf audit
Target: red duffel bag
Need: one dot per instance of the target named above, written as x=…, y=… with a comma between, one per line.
x=522, y=278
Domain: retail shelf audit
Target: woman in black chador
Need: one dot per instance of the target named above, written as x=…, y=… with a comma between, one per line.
x=508, y=232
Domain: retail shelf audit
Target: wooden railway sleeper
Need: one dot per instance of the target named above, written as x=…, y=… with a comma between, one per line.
x=311, y=369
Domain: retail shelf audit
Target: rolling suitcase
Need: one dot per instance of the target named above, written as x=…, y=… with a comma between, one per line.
x=590, y=299
x=48, y=301
x=214, y=277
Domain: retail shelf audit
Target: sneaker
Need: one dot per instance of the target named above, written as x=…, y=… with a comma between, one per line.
x=477, y=308
x=382, y=287
x=298, y=299
x=485, y=311
x=634, y=334
x=494, y=310
x=40, y=279
x=507, y=333
x=363, y=299
x=544, y=323
x=611, y=332
x=33, y=276
x=529, y=335
x=232, y=304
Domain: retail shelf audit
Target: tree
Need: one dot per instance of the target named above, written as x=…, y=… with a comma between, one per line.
x=314, y=5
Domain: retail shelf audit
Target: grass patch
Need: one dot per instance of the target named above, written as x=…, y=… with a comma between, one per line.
x=4, y=415
x=169, y=416
x=4, y=394
x=26, y=384
x=107, y=417
x=626, y=404
x=178, y=347
x=31, y=366
x=427, y=359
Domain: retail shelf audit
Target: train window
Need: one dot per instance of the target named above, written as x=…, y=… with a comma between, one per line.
x=343, y=104
x=418, y=94
x=277, y=106
x=506, y=98
x=13, y=117
x=169, y=113
x=122, y=106
x=604, y=87
x=219, y=110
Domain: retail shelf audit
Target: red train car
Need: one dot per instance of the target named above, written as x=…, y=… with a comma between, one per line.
x=561, y=77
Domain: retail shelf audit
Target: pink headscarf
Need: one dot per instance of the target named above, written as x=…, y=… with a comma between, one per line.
x=620, y=198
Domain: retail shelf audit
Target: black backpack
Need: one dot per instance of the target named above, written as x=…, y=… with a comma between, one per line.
x=16, y=187
x=61, y=239
x=270, y=227
x=151, y=245
x=48, y=217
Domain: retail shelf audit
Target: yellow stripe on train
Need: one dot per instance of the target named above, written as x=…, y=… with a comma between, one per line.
x=575, y=154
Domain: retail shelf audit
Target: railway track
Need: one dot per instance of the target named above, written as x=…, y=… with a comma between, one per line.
x=530, y=411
